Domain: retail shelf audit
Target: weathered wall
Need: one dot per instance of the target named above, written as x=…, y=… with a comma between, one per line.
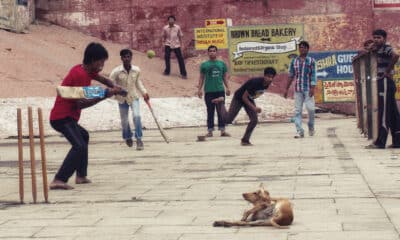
x=16, y=16
x=328, y=24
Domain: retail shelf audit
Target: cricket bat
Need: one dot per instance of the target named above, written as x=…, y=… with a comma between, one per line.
x=163, y=133
x=88, y=92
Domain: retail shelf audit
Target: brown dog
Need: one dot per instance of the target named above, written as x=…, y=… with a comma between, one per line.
x=266, y=211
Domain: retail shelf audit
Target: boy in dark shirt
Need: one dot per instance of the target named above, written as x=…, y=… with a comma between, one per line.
x=244, y=97
x=388, y=114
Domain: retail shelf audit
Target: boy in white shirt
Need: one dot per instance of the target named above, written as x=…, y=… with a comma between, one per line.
x=127, y=76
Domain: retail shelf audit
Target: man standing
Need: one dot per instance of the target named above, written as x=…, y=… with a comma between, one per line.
x=244, y=97
x=172, y=39
x=213, y=76
x=127, y=76
x=302, y=69
x=388, y=114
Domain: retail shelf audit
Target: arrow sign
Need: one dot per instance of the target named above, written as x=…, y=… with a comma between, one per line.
x=322, y=74
x=219, y=22
x=334, y=65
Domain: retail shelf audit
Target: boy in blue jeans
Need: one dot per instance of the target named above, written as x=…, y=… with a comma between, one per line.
x=303, y=70
x=127, y=76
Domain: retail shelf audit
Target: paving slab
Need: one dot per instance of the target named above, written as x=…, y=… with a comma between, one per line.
x=175, y=191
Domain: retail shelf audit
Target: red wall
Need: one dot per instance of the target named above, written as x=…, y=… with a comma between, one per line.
x=328, y=24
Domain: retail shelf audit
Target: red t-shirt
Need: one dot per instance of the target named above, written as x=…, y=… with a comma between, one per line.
x=77, y=77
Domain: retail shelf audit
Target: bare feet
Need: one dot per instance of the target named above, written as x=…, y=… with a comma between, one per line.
x=82, y=180
x=58, y=184
x=225, y=134
x=218, y=100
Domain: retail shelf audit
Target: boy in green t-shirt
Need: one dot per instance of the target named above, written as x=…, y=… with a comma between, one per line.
x=213, y=77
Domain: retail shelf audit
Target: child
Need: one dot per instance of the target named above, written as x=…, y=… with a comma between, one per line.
x=244, y=97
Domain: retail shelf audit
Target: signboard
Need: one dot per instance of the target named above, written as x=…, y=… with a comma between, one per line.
x=338, y=91
x=396, y=78
x=334, y=64
x=219, y=22
x=386, y=3
x=204, y=37
x=253, y=48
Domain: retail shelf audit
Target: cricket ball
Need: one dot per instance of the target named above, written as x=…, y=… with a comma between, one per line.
x=151, y=54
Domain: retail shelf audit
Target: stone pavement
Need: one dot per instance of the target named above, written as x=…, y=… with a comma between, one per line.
x=175, y=191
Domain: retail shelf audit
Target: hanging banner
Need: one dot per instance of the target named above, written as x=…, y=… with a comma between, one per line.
x=252, y=48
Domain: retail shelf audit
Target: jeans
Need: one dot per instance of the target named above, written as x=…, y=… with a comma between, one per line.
x=179, y=56
x=234, y=108
x=301, y=98
x=388, y=114
x=77, y=157
x=211, y=110
x=124, y=113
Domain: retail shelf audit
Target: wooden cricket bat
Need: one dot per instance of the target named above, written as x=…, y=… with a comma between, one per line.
x=163, y=133
x=88, y=92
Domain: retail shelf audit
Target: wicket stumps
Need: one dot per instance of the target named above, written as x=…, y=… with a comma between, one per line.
x=32, y=155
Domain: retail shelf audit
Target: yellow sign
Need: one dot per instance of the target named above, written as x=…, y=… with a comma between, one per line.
x=338, y=90
x=396, y=78
x=204, y=37
x=219, y=22
x=253, y=48
x=318, y=94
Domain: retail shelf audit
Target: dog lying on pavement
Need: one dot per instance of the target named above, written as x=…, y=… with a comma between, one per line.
x=266, y=211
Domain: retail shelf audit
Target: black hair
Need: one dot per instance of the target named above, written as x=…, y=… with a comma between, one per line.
x=212, y=46
x=380, y=32
x=269, y=71
x=171, y=16
x=125, y=51
x=304, y=44
x=94, y=52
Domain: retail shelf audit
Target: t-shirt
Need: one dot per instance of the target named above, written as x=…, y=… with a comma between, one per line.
x=63, y=108
x=214, y=75
x=384, y=58
x=254, y=86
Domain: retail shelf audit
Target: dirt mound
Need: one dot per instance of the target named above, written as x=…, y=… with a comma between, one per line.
x=33, y=64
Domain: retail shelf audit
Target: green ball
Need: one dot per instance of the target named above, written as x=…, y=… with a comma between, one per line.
x=151, y=54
